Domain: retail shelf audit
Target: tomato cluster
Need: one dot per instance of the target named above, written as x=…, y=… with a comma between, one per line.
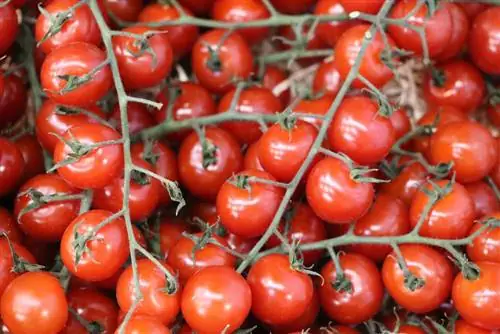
x=211, y=166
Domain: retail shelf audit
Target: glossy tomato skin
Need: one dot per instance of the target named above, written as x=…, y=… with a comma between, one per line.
x=253, y=100
x=483, y=196
x=7, y=274
x=32, y=156
x=9, y=27
x=426, y=263
x=367, y=290
x=248, y=211
x=369, y=7
x=11, y=166
x=144, y=324
x=251, y=159
x=463, y=327
x=271, y=78
x=495, y=173
x=279, y=293
x=243, y=11
x=156, y=301
x=304, y=322
x=469, y=145
x=330, y=32
x=372, y=67
x=34, y=303
x=9, y=226
x=459, y=32
x=314, y=107
x=451, y=217
x=216, y=299
x=140, y=69
x=125, y=10
x=49, y=221
x=463, y=86
x=388, y=216
x=171, y=229
x=334, y=196
x=282, y=151
x=13, y=100
x=292, y=6
x=81, y=26
x=234, y=60
x=484, y=40
x=138, y=116
x=204, y=182
x=97, y=168
x=49, y=121
x=486, y=246
x=327, y=79
x=476, y=300
x=105, y=253
x=181, y=259
x=400, y=122
x=76, y=59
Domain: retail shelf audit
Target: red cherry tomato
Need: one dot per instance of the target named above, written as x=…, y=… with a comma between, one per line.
x=9, y=27
x=9, y=226
x=483, y=196
x=272, y=77
x=463, y=327
x=138, y=116
x=472, y=8
x=330, y=32
x=327, y=79
x=251, y=160
x=495, y=173
x=459, y=32
x=407, y=183
x=13, y=100
x=484, y=40
x=486, y=246
x=32, y=156
x=170, y=232
x=144, y=324
x=315, y=107
x=369, y=7
x=125, y=10
x=199, y=7
x=493, y=112
x=11, y=166
x=400, y=122
x=292, y=6
x=7, y=263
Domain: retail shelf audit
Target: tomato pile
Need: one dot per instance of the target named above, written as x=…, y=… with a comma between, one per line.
x=238, y=166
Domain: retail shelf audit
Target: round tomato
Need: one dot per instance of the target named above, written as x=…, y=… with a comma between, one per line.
x=215, y=300
x=13, y=100
x=98, y=166
x=280, y=293
x=9, y=268
x=251, y=160
x=125, y=10
x=304, y=321
x=315, y=107
x=9, y=226
x=473, y=8
x=292, y=6
x=400, y=122
x=170, y=232
x=271, y=78
x=369, y=7
x=463, y=327
x=64, y=71
x=484, y=40
x=34, y=303
x=330, y=32
x=424, y=263
x=486, y=246
x=495, y=173
x=32, y=156
x=484, y=198
x=327, y=79
x=459, y=32
x=247, y=207
x=94, y=255
x=144, y=324
x=199, y=7
x=138, y=116
x=9, y=27
x=407, y=183
x=493, y=112
x=11, y=166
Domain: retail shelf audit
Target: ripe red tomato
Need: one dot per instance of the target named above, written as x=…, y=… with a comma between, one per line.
x=462, y=86
x=304, y=226
x=484, y=40
x=144, y=324
x=237, y=11
x=171, y=229
x=182, y=260
x=425, y=263
x=9, y=27
x=71, y=61
x=330, y=32
x=94, y=307
x=407, y=183
x=9, y=269
x=48, y=221
x=181, y=37
x=13, y=100
x=372, y=67
x=469, y=145
x=359, y=131
x=100, y=166
x=11, y=166
x=315, y=107
x=34, y=303
x=9, y=226
x=484, y=198
x=463, y=327
x=205, y=211
x=103, y=254
x=304, y=321
x=32, y=156
x=247, y=209
x=327, y=79
x=217, y=64
x=253, y=100
x=199, y=7
x=138, y=67
x=239, y=244
x=216, y=299
x=365, y=299
x=279, y=292
x=493, y=112
x=204, y=178
x=400, y=122
x=334, y=196
x=156, y=301
x=125, y=10
x=251, y=160
x=80, y=26
x=272, y=77
x=292, y=6
x=459, y=33
x=450, y=218
x=438, y=28
x=495, y=173
x=282, y=151
x=473, y=8
x=475, y=300
x=138, y=116
x=369, y=7
x=388, y=216
x=486, y=246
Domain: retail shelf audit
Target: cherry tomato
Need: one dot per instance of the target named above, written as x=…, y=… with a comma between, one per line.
x=9, y=27
x=407, y=183
x=9, y=226
x=253, y=100
x=304, y=321
x=95, y=169
x=13, y=100
x=483, y=196
x=247, y=207
x=34, y=303
x=279, y=292
x=191, y=101
x=32, y=156
x=484, y=40
x=400, y=122
x=493, y=112
x=364, y=299
x=145, y=324
x=303, y=226
x=251, y=160
x=372, y=67
x=330, y=32
x=181, y=37
x=495, y=173
x=205, y=211
x=72, y=62
x=458, y=84
x=11, y=166
x=80, y=26
x=388, y=216
x=100, y=256
x=292, y=6
x=203, y=177
x=9, y=268
x=125, y=10
x=475, y=299
x=315, y=107
x=472, y=8
x=239, y=244
x=199, y=7
x=486, y=246
x=237, y=11
x=360, y=132
x=138, y=116
x=425, y=263
x=463, y=327
x=171, y=229
x=459, y=32
x=217, y=64
x=327, y=79
x=215, y=300
x=369, y=7
x=272, y=77
x=469, y=145
x=182, y=260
